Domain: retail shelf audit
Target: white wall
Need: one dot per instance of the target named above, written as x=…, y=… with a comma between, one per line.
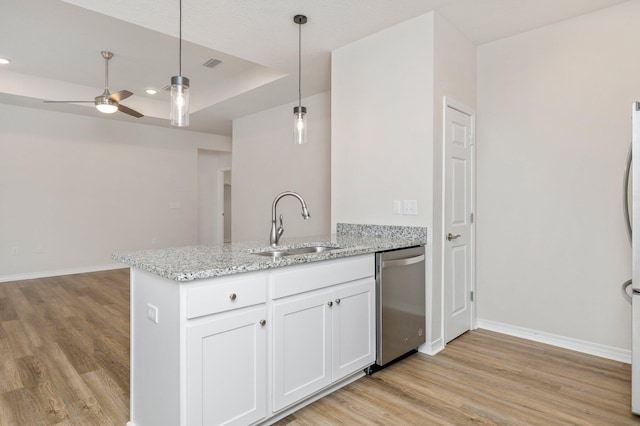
x=266, y=162
x=553, y=132
x=210, y=197
x=78, y=188
x=387, y=97
x=382, y=125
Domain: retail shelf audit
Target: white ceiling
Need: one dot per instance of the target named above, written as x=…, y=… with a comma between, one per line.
x=55, y=47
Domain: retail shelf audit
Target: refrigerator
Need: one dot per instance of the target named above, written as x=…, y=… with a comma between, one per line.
x=635, y=250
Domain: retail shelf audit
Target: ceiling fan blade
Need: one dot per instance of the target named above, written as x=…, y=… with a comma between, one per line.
x=129, y=111
x=122, y=94
x=69, y=102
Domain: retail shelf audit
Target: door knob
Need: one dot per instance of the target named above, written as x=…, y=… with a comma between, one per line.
x=450, y=236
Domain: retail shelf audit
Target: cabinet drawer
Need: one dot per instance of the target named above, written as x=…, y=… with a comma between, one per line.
x=299, y=279
x=225, y=294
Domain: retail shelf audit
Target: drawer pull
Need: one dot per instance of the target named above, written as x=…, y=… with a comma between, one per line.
x=263, y=322
x=232, y=296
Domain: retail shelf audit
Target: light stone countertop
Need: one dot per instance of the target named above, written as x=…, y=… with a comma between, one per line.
x=207, y=261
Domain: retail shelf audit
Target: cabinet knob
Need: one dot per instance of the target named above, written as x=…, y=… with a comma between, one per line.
x=330, y=303
x=263, y=322
x=232, y=296
x=337, y=301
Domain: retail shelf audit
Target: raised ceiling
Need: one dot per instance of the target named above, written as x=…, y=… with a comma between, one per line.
x=55, y=47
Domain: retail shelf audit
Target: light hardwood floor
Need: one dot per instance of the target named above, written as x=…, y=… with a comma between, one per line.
x=64, y=359
x=64, y=350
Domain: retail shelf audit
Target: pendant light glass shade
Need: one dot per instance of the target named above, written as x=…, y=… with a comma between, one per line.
x=300, y=125
x=179, y=101
x=300, y=112
x=179, y=90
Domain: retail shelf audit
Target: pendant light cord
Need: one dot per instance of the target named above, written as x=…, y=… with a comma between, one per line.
x=299, y=66
x=180, y=46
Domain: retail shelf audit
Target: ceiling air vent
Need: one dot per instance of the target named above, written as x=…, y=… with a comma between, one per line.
x=212, y=63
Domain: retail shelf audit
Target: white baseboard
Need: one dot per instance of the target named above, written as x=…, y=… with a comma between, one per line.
x=58, y=272
x=583, y=346
x=431, y=348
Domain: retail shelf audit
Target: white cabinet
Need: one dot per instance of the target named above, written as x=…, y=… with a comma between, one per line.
x=353, y=328
x=227, y=369
x=239, y=349
x=302, y=350
x=321, y=337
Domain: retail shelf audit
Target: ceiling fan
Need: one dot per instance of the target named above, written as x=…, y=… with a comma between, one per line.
x=107, y=102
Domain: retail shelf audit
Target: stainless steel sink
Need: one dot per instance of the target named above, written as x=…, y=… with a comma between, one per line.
x=295, y=251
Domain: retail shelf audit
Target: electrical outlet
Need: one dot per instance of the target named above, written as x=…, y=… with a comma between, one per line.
x=397, y=208
x=411, y=207
x=14, y=251
x=154, y=241
x=39, y=249
x=152, y=312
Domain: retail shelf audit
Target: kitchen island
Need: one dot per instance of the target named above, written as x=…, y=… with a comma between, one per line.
x=222, y=335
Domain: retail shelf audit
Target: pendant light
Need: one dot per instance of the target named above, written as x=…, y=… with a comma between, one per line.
x=300, y=112
x=180, y=90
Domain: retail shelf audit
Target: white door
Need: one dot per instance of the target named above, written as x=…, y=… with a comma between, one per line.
x=458, y=199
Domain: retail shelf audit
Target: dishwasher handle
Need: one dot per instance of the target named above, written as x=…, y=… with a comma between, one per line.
x=402, y=262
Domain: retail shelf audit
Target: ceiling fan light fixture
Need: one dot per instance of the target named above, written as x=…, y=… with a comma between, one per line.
x=106, y=105
x=107, y=102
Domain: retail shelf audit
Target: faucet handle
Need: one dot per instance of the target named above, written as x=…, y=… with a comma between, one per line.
x=280, y=229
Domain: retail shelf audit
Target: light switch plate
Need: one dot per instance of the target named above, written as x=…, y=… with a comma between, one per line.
x=152, y=312
x=411, y=207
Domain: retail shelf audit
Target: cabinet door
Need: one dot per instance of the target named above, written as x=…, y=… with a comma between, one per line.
x=353, y=327
x=227, y=369
x=302, y=347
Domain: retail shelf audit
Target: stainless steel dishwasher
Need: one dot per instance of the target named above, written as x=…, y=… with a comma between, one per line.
x=400, y=303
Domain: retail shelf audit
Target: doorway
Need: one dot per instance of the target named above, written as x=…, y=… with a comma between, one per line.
x=226, y=209
x=458, y=230
x=214, y=170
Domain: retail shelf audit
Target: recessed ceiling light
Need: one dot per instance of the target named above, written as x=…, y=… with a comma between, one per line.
x=4, y=61
x=151, y=91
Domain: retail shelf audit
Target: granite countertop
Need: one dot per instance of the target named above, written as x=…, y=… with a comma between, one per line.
x=207, y=261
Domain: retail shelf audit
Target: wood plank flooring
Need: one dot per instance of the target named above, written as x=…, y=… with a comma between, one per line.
x=64, y=350
x=484, y=378
x=64, y=360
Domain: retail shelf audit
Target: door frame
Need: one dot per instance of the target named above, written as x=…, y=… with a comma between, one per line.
x=219, y=221
x=448, y=102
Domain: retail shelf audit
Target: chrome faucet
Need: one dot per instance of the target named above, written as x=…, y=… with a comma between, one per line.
x=276, y=232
